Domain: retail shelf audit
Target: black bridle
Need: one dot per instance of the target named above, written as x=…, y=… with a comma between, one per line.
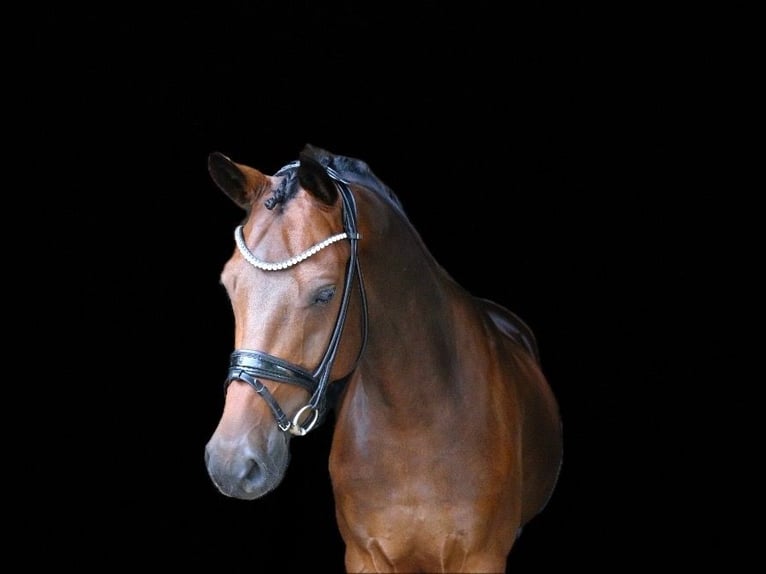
x=249, y=365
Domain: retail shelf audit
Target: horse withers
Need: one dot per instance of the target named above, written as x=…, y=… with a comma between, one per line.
x=447, y=437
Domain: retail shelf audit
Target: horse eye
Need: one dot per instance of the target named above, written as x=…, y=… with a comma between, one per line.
x=324, y=295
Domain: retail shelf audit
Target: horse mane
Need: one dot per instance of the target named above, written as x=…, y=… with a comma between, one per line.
x=357, y=171
x=350, y=169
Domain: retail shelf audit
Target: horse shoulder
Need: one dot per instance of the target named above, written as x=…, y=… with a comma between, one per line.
x=541, y=426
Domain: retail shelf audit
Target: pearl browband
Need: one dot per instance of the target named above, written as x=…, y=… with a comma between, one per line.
x=279, y=265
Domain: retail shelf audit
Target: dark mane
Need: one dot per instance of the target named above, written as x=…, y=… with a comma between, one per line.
x=357, y=171
x=351, y=169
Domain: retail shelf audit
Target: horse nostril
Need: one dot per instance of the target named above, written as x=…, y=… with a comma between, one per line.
x=253, y=472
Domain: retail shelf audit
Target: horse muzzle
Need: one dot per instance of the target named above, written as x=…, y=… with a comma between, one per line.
x=246, y=468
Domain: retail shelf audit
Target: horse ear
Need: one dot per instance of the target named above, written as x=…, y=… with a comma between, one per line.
x=314, y=178
x=240, y=182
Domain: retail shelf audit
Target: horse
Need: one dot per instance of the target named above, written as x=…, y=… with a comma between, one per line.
x=446, y=437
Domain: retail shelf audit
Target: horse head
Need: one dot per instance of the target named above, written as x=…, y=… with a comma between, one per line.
x=289, y=282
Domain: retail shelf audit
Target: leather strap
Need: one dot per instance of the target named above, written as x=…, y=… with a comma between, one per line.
x=260, y=388
x=259, y=364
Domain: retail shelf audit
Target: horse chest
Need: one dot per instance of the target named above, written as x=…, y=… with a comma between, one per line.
x=406, y=489
x=427, y=535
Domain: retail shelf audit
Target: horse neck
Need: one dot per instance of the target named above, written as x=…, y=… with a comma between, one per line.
x=412, y=304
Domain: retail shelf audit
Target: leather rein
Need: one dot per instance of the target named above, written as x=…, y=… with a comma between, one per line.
x=249, y=365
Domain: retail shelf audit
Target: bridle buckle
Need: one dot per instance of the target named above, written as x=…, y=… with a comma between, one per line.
x=295, y=426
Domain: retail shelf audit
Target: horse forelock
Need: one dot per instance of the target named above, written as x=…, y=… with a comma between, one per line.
x=285, y=189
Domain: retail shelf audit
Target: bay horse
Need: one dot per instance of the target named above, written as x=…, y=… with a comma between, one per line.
x=447, y=436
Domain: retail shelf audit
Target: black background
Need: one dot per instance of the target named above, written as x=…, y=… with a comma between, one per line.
x=543, y=155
